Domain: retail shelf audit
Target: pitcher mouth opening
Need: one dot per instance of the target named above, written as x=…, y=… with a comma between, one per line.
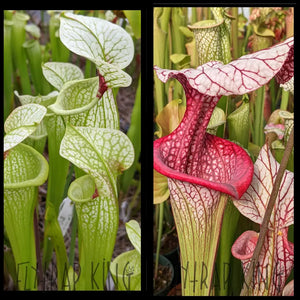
x=244, y=246
x=234, y=186
x=40, y=175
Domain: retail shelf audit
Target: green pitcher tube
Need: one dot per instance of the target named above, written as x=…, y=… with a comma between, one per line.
x=97, y=230
x=213, y=37
x=238, y=124
x=24, y=170
x=19, y=57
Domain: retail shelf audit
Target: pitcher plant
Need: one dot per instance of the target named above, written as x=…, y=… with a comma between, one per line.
x=203, y=169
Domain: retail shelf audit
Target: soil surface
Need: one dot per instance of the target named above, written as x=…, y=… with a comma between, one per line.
x=163, y=279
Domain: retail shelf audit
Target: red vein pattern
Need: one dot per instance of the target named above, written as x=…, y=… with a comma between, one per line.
x=189, y=153
x=276, y=259
x=199, y=166
x=254, y=201
x=198, y=215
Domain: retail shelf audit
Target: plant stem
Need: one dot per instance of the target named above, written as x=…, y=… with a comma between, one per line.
x=229, y=227
x=37, y=248
x=178, y=44
x=160, y=225
x=33, y=53
x=74, y=218
x=8, y=69
x=238, y=125
x=59, y=51
x=272, y=93
x=134, y=134
x=73, y=238
x=90, y=69
x=234, y=34
x=58, y=171
x=264, y=225
x=284, y=99
x=18, y=38
x=53, y=232
x=194, y=16
x=160, y=38
x=258, y=135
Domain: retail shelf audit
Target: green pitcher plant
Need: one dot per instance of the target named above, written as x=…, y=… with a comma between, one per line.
x=90, y=102
x=126, y=267
x=79, y=102
x=24, y=170
x=103, y=154
x=57, y=74
x=38, y=139
x=213, y=37
x=203, y=169
x=106, y=44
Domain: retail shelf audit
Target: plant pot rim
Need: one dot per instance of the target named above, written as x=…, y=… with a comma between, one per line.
x=165, y=262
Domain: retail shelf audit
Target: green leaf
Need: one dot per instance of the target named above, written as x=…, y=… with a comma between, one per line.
x=218, y=118
x=53, y=232
x=40, y=132
x=187, y=32
x=134, y=18
x=134, y=234
x=21, y=123
x=113, y=75
x=160, y=188
x=95, y=39
x=104, y=114
x=170, y=117
x=161, y=18
x=126, y=271
x=58, y=73
x=263, y=31
x=71, y=279
x=57, y=176
x=43, y=100
x=181, y=60
x=34, y=30
x=101, y=152
x=238, y=124
x=76, y=96
x=37, y=139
